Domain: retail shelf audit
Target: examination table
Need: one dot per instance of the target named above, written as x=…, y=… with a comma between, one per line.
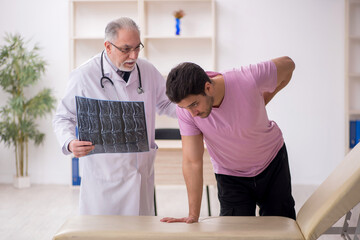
x=337, y=195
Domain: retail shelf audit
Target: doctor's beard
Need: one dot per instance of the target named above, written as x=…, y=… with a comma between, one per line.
x=126, y=69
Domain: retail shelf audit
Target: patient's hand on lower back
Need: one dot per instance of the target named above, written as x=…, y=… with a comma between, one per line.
x=185, y=219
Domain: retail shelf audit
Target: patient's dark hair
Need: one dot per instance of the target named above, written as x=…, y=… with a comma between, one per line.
x=185, y=79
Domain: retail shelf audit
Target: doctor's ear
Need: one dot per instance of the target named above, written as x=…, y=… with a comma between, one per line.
x=107, y=47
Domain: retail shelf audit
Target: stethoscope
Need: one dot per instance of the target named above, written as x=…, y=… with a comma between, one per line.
x=140, y=90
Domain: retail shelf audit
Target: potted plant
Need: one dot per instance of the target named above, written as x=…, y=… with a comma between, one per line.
x=20, y=69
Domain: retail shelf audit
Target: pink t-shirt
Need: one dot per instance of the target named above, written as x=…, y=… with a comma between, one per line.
x=240, y=138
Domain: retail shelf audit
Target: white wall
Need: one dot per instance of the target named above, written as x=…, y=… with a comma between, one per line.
x=310, y=110
x=47, y=23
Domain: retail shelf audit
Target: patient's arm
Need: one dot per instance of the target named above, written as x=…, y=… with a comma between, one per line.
x=193, y=151
x=285, y=67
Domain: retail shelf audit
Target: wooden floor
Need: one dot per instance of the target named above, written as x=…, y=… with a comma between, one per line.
x=36, y=212
x=39, y=211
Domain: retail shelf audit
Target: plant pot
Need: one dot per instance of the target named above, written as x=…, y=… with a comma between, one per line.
x=21, y=182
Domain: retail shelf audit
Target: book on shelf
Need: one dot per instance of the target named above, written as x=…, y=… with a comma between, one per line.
x=354, y=132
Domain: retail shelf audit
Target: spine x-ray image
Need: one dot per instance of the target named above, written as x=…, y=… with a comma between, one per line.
x=112, y=126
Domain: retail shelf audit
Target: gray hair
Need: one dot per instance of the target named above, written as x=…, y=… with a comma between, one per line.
x=114, y=26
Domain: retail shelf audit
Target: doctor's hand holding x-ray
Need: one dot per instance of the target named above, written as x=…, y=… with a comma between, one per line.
x=80, y=148
x=115, y=183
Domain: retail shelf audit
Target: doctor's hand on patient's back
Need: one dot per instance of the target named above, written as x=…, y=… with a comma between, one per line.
x=189, y=219
x=80, y=148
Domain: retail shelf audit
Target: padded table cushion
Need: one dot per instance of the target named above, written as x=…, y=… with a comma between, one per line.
x=150, y=227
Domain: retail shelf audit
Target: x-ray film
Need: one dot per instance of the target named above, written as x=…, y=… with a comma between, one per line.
x=112, y=126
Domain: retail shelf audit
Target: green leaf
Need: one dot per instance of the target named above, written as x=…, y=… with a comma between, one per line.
x=41, y=104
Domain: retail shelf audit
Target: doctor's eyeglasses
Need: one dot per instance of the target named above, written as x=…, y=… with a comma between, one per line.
x=127, y=50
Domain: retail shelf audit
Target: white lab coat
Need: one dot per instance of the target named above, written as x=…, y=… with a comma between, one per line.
x=115, y=183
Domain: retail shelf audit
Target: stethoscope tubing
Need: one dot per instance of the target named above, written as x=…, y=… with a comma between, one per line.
x=140, y=90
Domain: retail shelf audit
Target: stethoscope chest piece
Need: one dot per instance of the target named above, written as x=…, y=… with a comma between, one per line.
x=140, y=90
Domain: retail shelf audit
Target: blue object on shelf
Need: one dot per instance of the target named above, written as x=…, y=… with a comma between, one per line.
x=177, y=26
x=76, y=179
x=357, y=137
x=354, y=132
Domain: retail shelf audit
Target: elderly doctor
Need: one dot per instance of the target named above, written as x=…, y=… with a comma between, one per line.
x=115, y=183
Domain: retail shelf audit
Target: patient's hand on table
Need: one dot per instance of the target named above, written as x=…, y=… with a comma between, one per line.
x=185, y=219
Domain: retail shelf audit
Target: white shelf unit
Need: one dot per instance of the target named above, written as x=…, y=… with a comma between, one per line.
x=196, y=42
x=352, y=63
